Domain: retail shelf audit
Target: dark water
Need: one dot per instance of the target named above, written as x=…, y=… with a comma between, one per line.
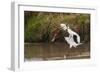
x=55, y=51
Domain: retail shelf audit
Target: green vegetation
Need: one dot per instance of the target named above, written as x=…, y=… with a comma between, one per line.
x=40, y=25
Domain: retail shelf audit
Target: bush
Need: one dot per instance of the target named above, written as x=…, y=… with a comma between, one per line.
x=40, y=25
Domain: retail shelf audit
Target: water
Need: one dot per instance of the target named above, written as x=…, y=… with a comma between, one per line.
x=55, y=51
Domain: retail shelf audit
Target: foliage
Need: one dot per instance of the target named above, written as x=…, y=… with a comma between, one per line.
x=40, y=25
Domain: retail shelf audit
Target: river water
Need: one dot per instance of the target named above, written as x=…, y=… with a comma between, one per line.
x=55, y=51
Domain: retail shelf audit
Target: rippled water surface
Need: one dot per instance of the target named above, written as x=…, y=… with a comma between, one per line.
x=54, y=51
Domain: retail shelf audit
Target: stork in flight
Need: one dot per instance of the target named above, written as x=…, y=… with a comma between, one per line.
x=73, y=39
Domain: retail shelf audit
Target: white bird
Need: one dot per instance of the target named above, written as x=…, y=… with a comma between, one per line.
x=70, y=39
x=72, y=34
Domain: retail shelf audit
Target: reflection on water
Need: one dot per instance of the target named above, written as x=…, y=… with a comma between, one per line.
x=55, y=51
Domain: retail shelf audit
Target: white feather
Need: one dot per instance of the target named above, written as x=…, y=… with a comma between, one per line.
x=70, y=39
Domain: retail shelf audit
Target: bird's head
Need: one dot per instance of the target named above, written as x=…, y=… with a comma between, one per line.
x=63, y=26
